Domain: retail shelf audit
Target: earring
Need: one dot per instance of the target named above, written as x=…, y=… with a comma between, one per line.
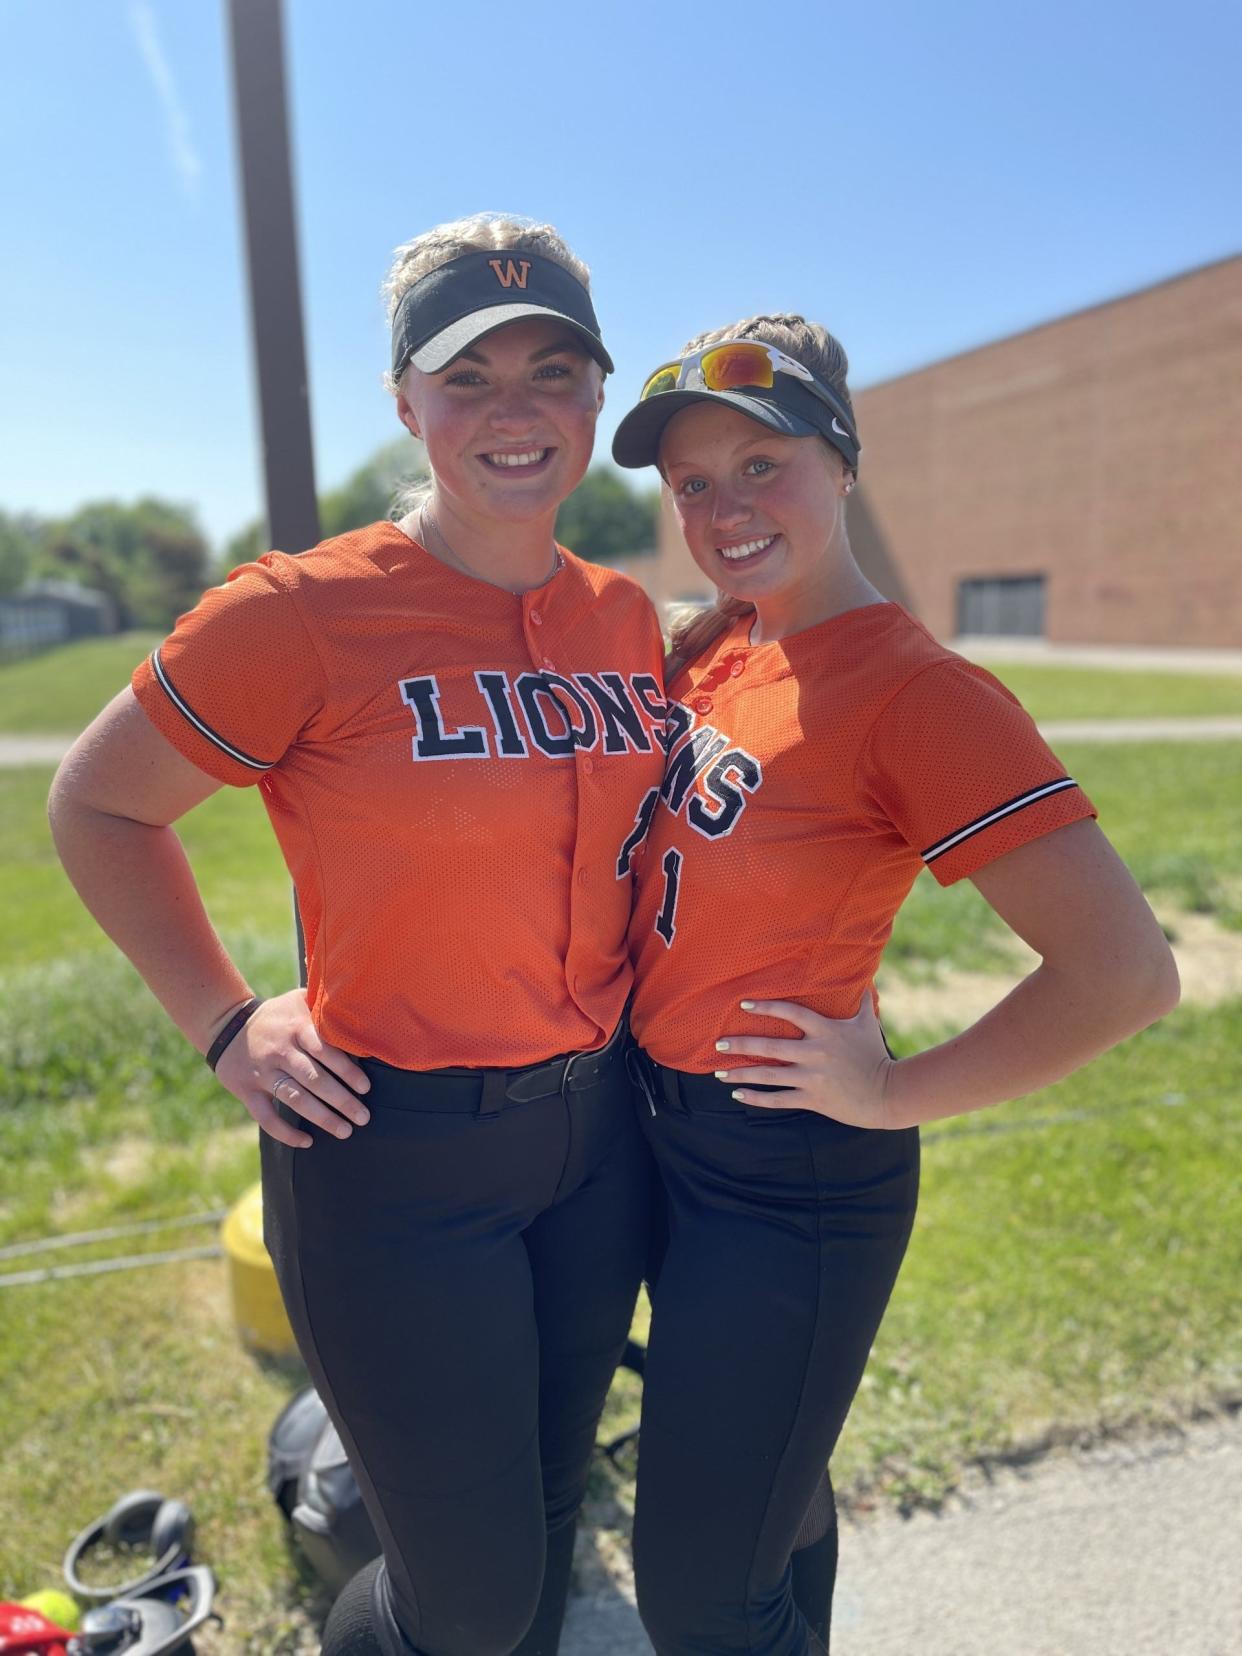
x=847, y=488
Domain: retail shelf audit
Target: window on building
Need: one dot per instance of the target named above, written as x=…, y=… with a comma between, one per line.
x=1001, y=606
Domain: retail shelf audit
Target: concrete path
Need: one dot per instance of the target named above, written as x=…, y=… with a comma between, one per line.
x=1142, y=730
x=1126, y=1550
x=50, y=750
x=34, y=750
x=1137, y=658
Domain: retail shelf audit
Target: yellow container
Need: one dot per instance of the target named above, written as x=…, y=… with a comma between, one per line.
x=258, y=1309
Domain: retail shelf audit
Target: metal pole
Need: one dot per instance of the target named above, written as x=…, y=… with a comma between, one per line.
x=262, y=126
x=261, y=118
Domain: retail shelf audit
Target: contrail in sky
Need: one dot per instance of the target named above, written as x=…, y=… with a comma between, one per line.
x=185, y=157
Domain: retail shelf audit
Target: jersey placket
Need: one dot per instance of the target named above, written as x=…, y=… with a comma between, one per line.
x=544, y=644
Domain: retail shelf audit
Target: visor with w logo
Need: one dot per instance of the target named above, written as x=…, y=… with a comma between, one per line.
x=457, y=304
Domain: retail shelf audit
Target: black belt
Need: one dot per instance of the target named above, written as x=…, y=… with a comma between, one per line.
x=486, y=1091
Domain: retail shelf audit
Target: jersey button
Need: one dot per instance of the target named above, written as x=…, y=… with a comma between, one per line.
x=582, y=876
x=547, y=663
x=702, y=704
x=737, y=669
x=588, y=766
x=536, y=617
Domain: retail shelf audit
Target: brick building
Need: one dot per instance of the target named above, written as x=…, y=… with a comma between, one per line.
x=1081, y=481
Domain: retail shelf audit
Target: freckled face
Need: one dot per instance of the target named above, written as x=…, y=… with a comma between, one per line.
x=510, y=424
x=759, y=510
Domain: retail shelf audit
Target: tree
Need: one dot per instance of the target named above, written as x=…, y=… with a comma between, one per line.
x=605, y=519
x=19, y=541
x=366, y=496
x=149, y=558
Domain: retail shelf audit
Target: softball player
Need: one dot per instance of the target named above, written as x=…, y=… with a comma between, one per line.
x=454, y=724
x=823, y=748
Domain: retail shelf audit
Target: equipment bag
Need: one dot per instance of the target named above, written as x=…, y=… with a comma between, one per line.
x=314, y=1486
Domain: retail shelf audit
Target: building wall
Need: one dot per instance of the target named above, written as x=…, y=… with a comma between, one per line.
x=669, y=575
x=1100, y=450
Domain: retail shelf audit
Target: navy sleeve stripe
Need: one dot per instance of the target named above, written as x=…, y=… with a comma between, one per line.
x=1001, y=811
x=203, y=728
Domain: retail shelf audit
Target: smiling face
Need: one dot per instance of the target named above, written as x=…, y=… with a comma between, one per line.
x=509, y=425
x=762, y=513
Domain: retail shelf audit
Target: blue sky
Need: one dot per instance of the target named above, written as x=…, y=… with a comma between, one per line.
x=922, y=179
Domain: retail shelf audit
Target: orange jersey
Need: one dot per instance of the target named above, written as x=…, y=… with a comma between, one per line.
x=809, y=780
x=451, y=771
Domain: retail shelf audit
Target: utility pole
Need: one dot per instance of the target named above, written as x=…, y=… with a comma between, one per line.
x=261, y=118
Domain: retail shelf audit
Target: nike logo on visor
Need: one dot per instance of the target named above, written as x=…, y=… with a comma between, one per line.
x=838, y=427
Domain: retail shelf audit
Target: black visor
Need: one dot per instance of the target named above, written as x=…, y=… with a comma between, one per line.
x=786, y=406
x=453, y=306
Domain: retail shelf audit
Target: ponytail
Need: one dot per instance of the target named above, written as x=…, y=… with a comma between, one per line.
x=692, y=631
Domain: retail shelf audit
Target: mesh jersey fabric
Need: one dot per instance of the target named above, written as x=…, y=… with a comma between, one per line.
x=451, y=770
x=809, y=780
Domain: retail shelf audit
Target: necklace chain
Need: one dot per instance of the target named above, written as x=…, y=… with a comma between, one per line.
x=426, y=521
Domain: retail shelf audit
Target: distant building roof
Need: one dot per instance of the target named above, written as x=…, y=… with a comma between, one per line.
x=65, y=592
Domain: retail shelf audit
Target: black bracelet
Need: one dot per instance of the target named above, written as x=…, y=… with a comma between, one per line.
x=242, y=1016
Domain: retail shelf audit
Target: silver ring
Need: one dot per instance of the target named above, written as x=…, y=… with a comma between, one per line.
x=281, y=1081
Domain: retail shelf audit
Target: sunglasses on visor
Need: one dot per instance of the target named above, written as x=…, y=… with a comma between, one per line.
x=732, y=365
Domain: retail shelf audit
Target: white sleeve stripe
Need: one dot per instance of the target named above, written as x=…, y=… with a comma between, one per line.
x=184, y=708
x=980, y=823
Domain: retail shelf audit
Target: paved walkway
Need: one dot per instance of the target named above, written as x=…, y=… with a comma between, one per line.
x=1138, y=658
x=1142, y=730
x=34, y=750
x=1126, y=1550
x=50, y=750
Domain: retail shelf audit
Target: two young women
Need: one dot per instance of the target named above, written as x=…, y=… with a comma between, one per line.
x=461, y=739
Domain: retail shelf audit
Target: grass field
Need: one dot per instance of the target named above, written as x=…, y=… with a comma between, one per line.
x=228, y=838
x=1073, y=1270
x=1171, y=809
x=60, y=691
x=1053, y=693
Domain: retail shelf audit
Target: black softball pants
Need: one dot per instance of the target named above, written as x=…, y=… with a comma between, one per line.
x=460, y=1275
x=786, y=1231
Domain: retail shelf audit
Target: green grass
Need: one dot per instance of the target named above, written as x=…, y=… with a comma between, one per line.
x=1073, y=1276
x=228, y=839
x=945, y=927
x=1050, y=693
x=107, y=1109
x=1063, y=1278
x=61, y=690
x=1172, y=809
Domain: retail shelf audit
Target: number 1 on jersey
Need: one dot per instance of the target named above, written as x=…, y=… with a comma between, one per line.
x=666, y=920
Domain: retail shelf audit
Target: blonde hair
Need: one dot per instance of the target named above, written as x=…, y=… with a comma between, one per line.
x=480, y=233
x=693, y=630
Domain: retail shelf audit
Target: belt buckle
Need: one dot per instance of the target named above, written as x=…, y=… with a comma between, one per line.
x=568, y=1071
x=601, y=1054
